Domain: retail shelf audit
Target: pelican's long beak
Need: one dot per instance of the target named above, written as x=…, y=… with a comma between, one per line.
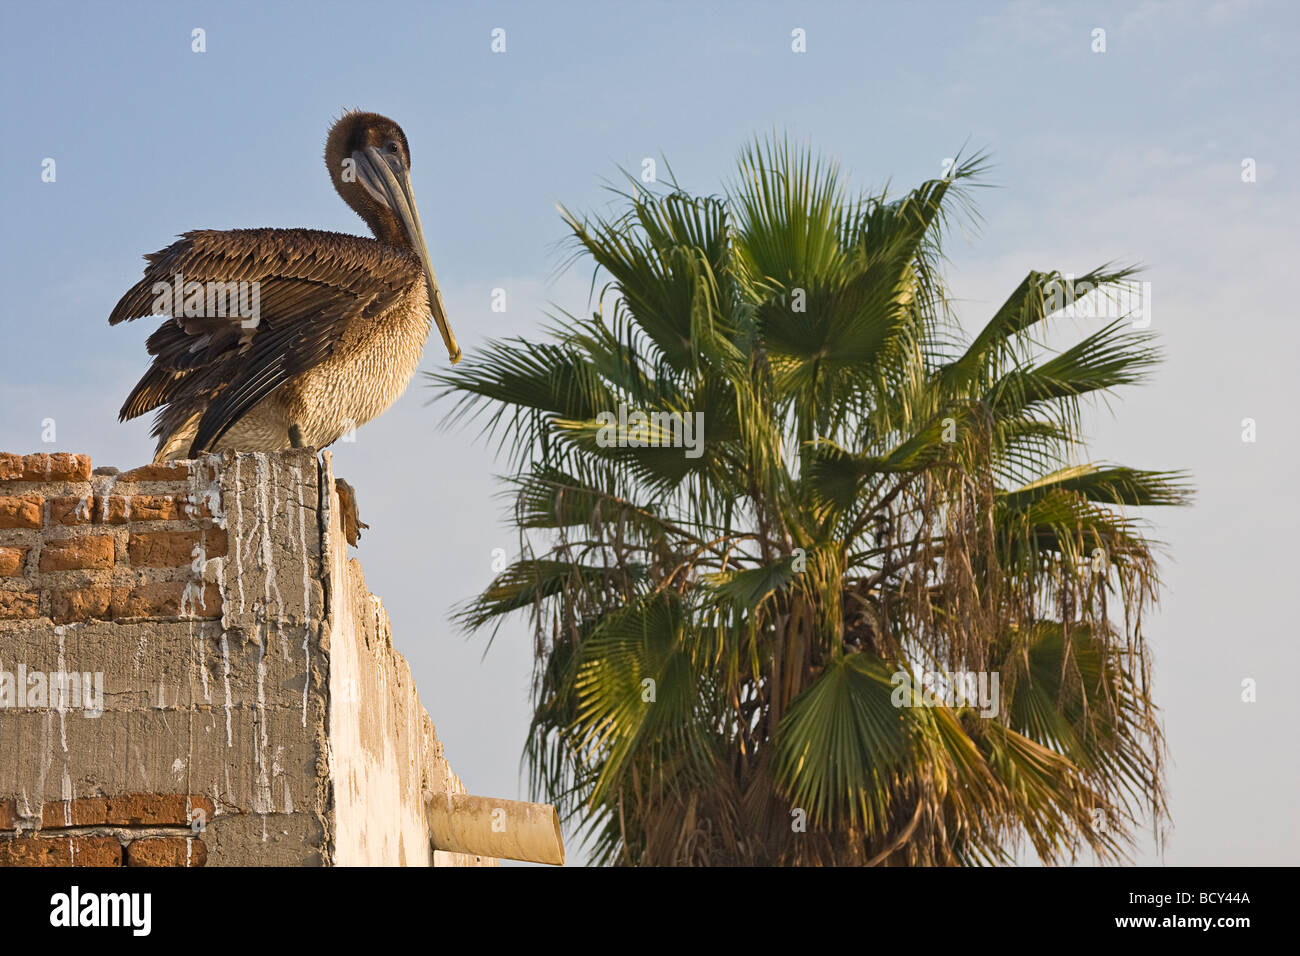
x=394, y=187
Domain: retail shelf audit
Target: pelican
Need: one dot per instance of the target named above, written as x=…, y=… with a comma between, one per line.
x=279, y=338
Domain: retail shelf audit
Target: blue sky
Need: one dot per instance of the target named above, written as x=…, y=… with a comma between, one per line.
x=1133, y=154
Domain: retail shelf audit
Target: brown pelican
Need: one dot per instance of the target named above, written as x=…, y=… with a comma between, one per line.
x=280, y=338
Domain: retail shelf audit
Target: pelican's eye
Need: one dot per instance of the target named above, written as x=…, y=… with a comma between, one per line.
x=392, y=146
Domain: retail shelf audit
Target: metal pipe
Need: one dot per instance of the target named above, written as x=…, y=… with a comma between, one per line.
x=483, y=826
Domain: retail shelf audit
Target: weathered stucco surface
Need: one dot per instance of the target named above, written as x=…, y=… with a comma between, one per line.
x=384, y=751
x=292, y=713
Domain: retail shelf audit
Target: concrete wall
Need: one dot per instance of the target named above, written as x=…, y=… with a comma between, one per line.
x=253, y=709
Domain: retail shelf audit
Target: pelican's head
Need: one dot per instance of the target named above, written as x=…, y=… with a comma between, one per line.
x=370, y=164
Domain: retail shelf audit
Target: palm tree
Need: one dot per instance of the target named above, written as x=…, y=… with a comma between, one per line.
x=736, y=640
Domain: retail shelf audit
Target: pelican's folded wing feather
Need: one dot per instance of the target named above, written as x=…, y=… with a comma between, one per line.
x=301, y=290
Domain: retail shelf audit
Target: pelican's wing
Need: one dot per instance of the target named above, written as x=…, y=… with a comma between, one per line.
x=306, y=286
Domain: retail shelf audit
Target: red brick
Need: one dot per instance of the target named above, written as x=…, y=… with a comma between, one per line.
x=61, y=851
x=120, y=509
x=123, y=508
x=147, y=600
x=11, y=466
x=173, y=549
x=15, y=605
x=164, y=471
x=164, y=599
x=166, y=851
x=8, y=813
x=60, y=466
x=157, y=809
x=80, y=604
x=205, y=603
x=72, y=510
x=12, y=561
x=20, y=511
x=67, y=554
x=81, y=812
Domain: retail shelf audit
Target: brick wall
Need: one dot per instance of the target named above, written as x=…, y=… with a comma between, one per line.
x=134, y=829
x=115, y=547
x=192, y=672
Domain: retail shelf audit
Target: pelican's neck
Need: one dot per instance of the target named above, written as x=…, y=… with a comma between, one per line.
x=383, y=224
